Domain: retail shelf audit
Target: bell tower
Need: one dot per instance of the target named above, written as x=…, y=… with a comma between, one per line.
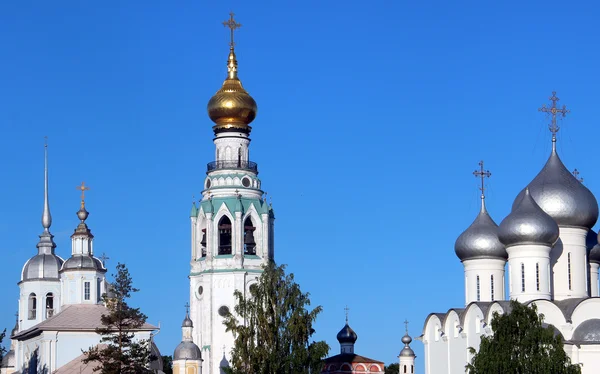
x=232, y=228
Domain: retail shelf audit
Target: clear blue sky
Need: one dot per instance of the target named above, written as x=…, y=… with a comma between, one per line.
x=372, y=117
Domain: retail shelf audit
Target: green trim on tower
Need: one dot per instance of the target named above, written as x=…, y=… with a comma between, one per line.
x=213, y=271
x=194, y=211
x=231, y=203
x=252, y=257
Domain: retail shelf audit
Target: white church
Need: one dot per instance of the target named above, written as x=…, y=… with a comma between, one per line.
x=60, y=304
x=553, y=258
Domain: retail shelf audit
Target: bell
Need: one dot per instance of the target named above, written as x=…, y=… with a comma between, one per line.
x=249, y=237
x=203, y=241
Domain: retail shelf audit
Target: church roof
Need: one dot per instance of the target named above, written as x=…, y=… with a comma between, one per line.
x=76, y=366
x=73, y=318
x=351, y=357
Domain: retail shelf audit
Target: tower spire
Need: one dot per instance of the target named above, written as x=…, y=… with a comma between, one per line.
x=553, y=110
x=232, y=64
x=481, y=173
x=46, y=244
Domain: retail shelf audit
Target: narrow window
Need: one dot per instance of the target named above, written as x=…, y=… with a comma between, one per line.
x=569, y=268
x=49, y=305
x=405, y=368
x=86, y=290
x=522, y=277
x=492, y=286
x=224, y=236
x=32, y=306
x=98, y=290
x=203, y=244
x=537, y=276
x=249, y=241
x=478, y=290
x=412, y=368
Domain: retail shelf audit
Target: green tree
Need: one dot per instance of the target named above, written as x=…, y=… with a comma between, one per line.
x=272, y=335
x=392, y=368
x=167, y=364
x=119, y=352
x=2, y=349
x=521, y=344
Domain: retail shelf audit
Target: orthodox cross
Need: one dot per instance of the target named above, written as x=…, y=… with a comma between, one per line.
x=232, y=26
x=576, y=174
x=553, y=110
x=187, y=308
x=83, y=188
x=346, y=309
x=104, y=257
x=481, y=173
x=406, y=325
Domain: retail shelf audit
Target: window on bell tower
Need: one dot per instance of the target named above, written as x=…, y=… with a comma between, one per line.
x=203, y=244
x=249, y=241
x=224, y=236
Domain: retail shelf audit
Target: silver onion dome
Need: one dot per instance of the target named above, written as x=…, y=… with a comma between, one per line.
x=480, y=240
x=187, y=322
x=594, y=255
x=83, y=262
x=406, y=351
x=528, y=224
x=562, y=196
x=42, y=266
x=347, y=335
x=187, y=350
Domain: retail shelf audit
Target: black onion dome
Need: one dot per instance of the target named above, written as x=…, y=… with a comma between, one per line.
x=347, y=335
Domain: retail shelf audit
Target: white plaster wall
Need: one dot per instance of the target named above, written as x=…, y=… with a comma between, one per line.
x=457, y=344
x=228, y=144
x=572, y=240
x=407, y=365
x=589, y=358
x=485, y=269
x=436, y=349
x=73, y=286
x=529, y=255
x=594, y=279
x=40, y=289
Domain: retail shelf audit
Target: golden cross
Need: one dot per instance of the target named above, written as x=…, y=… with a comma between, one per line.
x=576, y=174
x=232, y=26
x=83, y=188
x=553, y=110
x=482, y=174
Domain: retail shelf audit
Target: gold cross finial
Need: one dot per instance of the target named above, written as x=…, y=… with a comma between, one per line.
x=576, y=174
x=232, y=27
x=346, y=309
x=481, y=173
x=553, y=110
x=83, y=188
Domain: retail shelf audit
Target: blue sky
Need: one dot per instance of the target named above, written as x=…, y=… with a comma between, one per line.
x=372, y=117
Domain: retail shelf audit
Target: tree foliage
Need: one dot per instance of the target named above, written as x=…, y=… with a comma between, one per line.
x=2, y=348
x=167, y=364
x=272, y=328
x=120, y=352
x=392, y=368
x=521, y=344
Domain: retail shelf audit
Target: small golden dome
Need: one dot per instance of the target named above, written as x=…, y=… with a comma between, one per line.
x=232, y=107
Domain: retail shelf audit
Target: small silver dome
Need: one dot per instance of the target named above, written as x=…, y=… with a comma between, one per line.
x=187, y=350
x=8, y=361
x=588, y=332
x=528, y=224
x=42, y=266
x=83, y=262
x=480, y=240
x=407, y=352
x=347, y=335
x=562, y=196
x=406, y=339
x=187, y=322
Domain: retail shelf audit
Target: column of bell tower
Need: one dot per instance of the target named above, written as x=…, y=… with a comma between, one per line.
x=232, y=226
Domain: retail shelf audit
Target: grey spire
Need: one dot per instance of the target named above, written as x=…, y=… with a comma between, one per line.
x=46, y=244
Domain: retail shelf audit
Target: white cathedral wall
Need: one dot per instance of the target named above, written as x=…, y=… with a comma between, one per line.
x=73, y=285
x=436, y=349
x=478, y=280
x=457, y=343
x=41, y=290
x=594, y=279
x=569, y=264
x=588, y=356
x=529, y=272
x=227, y=146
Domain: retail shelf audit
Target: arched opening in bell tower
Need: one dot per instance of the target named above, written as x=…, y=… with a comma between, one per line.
x=203, y=244
x=32, y=306
x=49, y=305
x=249, y=241
x=224, y=236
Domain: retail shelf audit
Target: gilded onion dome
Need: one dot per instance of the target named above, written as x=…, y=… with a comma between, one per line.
x=480, y=240
x=528, y=224
x=562, y=196
x=232, y=108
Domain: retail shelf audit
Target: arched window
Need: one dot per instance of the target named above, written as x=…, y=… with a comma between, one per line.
x=32, y=306
x=492, y=286
x=224, y=236
x=249, y=242
x=203, y=244
x=405, y=368
x=478, y=290
x=412, y=368
x=522, y=277
x=49, y=305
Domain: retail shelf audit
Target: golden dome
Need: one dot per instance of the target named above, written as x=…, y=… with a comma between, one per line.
x=232, y=107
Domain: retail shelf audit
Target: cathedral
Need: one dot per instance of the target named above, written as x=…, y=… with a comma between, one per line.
x=553, y=258
x=60, y=303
